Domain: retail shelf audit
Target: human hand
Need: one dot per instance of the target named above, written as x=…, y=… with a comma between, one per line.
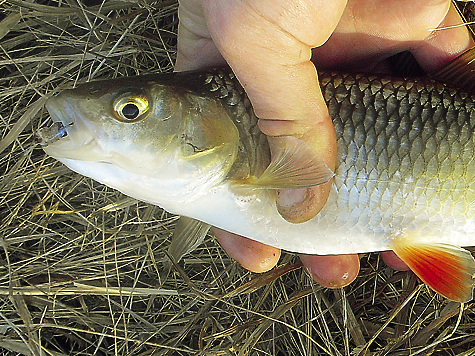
x=269, y=43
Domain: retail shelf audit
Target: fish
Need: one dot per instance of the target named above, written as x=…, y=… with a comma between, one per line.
x=189, y=143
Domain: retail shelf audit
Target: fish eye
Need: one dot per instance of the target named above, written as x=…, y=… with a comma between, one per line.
x=131, y=108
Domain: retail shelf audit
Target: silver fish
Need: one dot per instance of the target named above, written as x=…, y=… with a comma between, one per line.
x=189, y=142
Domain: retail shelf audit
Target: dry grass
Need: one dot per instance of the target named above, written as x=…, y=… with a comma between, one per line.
x=81, y=268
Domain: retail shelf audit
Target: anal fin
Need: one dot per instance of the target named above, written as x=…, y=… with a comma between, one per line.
x=447, y=269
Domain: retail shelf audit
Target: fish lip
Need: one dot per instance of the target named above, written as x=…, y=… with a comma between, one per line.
x=48, y=135
x=63, y=121
x=70, y=136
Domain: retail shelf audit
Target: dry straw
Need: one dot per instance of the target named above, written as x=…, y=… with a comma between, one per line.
x=81, y=269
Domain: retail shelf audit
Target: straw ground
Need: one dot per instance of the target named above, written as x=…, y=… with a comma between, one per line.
x=81, y=269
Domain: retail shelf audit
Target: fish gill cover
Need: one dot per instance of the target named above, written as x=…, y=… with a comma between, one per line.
x=82, y=267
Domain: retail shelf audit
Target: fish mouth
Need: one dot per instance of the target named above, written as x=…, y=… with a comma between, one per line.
x=49, y=135
x=62, y=126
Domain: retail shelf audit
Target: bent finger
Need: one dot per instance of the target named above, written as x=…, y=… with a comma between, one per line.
x=268, y=45
x=252, y=255
x=332, y=271
x=393, y=261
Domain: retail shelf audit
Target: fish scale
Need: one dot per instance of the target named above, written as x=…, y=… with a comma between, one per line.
x=406, y=135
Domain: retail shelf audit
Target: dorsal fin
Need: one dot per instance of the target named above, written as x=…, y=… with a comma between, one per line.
x=293, y=166
x=459, y=72
x=404, y=64
x=447, y=269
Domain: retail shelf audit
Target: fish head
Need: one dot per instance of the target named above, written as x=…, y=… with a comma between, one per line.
x=141, y=127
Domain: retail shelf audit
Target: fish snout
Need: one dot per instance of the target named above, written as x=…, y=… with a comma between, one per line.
x=67, y=127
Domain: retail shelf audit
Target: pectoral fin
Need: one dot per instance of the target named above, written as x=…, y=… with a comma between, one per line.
x=294, y=165
x=449, y=270
x=189, y=233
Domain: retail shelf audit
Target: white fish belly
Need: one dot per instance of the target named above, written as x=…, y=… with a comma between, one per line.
x=349, y=223
x=362, y=214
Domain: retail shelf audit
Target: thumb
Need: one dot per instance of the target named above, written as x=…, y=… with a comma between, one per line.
x=268, y=45
x=300, y=205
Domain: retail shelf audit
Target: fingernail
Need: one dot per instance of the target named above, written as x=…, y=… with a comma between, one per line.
x=297, y=205
x=332, y=271
x=288, y=198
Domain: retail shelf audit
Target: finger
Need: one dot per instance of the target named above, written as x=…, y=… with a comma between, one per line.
x=445, y=43
x=391, y=260
x=268, y=45
x=370, y=31
x=195, y=48
x=252, y=255
x=300, y=205
x=332, y=271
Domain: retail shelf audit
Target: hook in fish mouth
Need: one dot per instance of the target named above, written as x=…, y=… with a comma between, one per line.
x=55, y=132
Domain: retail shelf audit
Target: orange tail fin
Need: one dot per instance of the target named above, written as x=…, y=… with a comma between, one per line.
x=449, y=270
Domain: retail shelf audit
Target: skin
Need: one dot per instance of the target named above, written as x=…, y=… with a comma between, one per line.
x=274, y=48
